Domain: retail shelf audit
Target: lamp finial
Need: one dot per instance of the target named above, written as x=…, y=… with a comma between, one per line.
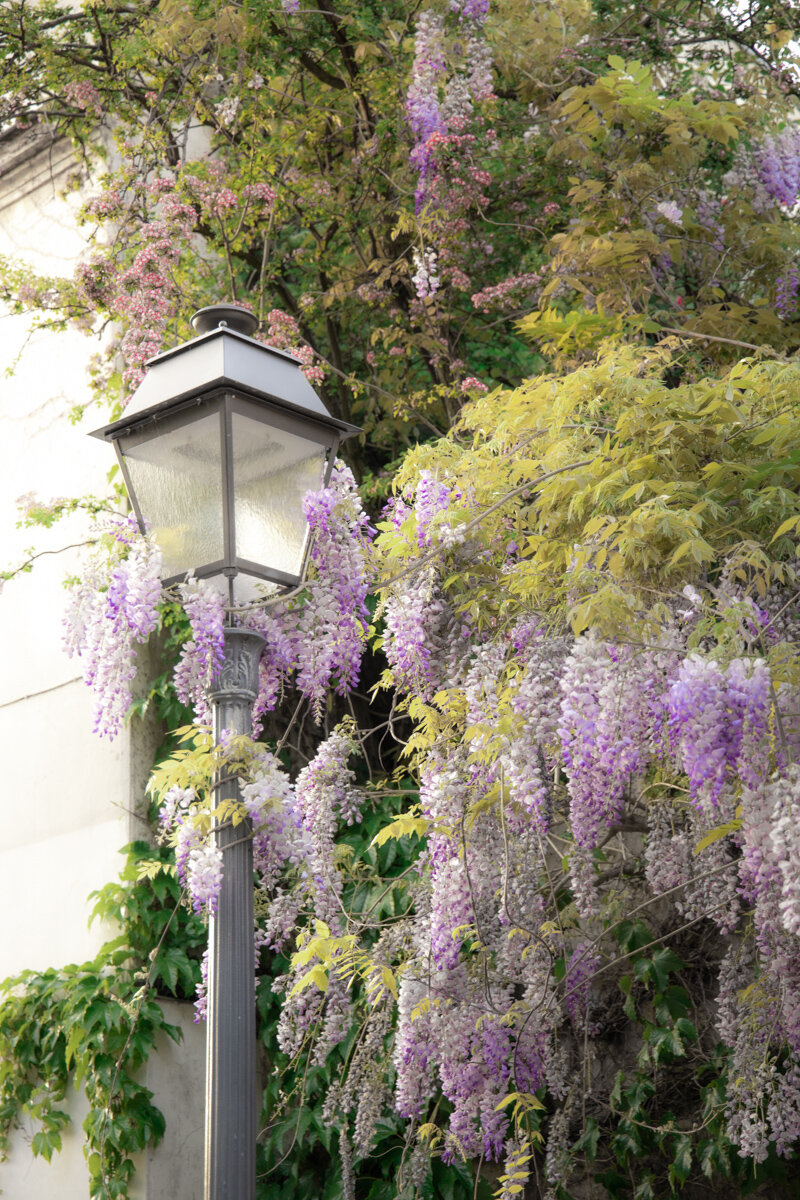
x=227, y=316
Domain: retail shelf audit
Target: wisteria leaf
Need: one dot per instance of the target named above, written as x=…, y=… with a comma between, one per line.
x=317, y=976
x=402, y=826
x=717, y=834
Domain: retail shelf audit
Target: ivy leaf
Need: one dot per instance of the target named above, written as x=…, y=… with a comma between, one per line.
x=627, y=1141
x=632, y=935
x=682, y=1159
x=45, y=1142
x=589, y=1139
x=76, y=1036
x=711, y=1155
x=644, y=1189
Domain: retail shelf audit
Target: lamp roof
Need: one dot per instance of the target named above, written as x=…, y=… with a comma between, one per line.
x=223, y=358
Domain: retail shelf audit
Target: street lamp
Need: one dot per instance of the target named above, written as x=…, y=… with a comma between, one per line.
x=218, y=446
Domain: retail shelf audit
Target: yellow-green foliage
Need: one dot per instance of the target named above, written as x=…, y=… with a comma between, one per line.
x=194, y=764
x=322, y=953
x=617, y=488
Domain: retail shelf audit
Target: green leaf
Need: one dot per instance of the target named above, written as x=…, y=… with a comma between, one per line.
x=682, y=1158
x=632, y=935
x=712, y=1156
x=790, y=524
x=317, y=975
x=615, y=1183
x=402, y=826
x=716, y=834
x=677, y=1001
x=76, y=1037
x=45, y=1143
x=666, y=1044
x=644, y=1189
x=627, y=1141
x=661, y=965
x=589, y=1139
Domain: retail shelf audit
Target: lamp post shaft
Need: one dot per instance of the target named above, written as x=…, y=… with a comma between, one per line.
x=231, y=1103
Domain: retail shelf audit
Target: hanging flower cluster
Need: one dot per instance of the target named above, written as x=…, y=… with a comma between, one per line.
x=719, y=721
x=562, y=738
x=437, y=104
x=779, y=166
x=315, y=640
x=202, y=656
x=332, y=628
x=451, y=81
x=325, y=796
x=113, y=609
x=424, y=640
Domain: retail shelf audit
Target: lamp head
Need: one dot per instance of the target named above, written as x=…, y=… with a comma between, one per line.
x=218, y=446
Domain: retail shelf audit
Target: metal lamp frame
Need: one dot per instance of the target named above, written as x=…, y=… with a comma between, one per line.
x=226, y=402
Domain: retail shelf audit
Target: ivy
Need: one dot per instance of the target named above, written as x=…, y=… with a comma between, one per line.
x=92, y=1027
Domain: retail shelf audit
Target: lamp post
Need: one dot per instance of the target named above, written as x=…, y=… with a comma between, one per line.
x=218, y=446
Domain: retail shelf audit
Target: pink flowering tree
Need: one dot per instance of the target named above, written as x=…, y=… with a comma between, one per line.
x=413, y=186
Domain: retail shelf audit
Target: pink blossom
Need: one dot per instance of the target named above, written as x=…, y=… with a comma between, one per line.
x=84, y=95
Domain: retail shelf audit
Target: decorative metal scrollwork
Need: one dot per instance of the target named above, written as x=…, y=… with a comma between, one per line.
x=238, y=675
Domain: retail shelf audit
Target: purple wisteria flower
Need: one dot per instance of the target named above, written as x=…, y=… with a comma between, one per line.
x=431, y=497
x=583, y=963
x=436, y=104
x=111, y=610
x=201, y=994
x=474, y=1072
x=605, y=728
x=332, y=629
x=271, y=805
x=326, y=794
x=786, y=292
x=203, y=874
x=422, y=105
x=203, y=654
x=414, y=1050
x=719, y=723
x=425, y=642
x=778, y=160
x=278, y=626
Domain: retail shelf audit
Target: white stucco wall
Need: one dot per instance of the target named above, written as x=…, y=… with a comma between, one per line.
x=65, y=796
x=68, y=800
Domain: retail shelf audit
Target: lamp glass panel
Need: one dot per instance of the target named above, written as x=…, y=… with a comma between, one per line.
x=272, y=471
x=177, y=479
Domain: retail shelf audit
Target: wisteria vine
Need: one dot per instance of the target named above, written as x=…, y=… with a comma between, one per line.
x=564, y=745
x=315, y=640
